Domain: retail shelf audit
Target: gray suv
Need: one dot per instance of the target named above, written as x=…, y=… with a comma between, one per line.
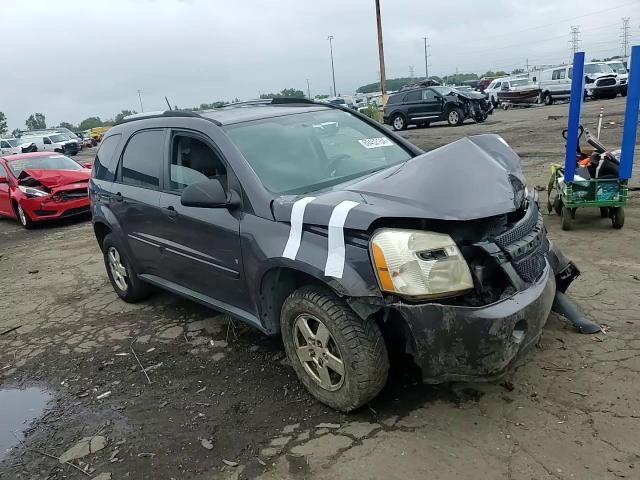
x=314, y=223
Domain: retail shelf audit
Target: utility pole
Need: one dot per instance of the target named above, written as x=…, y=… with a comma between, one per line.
x=333, y=72
x=410, y=71
x=308, y=90
x=575, y=39
x=527, y=64
x=426, y=58
x=625, y=37
x=140, y=98
x=383, y=80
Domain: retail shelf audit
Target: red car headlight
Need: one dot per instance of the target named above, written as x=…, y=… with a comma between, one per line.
x=32, y=192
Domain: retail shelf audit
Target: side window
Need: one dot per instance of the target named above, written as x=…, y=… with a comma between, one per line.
x=497, y=86
x=4, y=145
x=3, y=172
x=555, y=75
x=192, y=161
x=570, y=72
x=46, y=141
x=104, y=159
x=429, y=95
x=413, y=96
x=142, y=159
x=563, y=74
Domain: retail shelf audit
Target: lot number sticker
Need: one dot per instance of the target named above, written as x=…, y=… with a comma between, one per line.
x=375, y=142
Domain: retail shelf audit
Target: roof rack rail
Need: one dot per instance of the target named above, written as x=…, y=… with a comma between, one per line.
x=160, y=114
x=290, y=100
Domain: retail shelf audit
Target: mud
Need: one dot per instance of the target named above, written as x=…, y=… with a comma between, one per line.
x=221, y=401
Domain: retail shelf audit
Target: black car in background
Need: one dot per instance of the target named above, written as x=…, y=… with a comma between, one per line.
x=422, y=106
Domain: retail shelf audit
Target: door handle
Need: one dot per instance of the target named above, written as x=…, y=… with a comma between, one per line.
x=118, y=197
x=171, y=211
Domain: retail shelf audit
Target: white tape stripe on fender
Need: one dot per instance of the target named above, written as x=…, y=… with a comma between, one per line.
x=335, y=256
x=295, y=234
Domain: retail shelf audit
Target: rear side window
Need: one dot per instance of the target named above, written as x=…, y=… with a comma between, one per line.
x=104, y=168
x=142, y=159
x=394, y=99
x=413, y=96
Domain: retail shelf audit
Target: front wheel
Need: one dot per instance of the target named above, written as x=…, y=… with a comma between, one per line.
x=340, y=358
x=617, y=217
x=455, y=117
x=23, y=216
x=548, y=99
x=566, y=218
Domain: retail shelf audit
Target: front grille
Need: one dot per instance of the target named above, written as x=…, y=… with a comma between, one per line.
x=606, y=82
x=74, y=194
x=526, y=244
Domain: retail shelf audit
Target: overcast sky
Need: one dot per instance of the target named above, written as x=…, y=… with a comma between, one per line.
x=75, y=59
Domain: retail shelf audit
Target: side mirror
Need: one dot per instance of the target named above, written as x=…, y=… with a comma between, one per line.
x=3, y=180
x=207, y=194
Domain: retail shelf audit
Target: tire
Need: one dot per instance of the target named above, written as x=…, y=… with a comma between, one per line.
x=398, y=122
x=557, y=205
x=617, y=217
x=23, y=217
x=133, y=289
x=494, y=102
x=604, y=212
x=455, y=117
x=357, y=343
x=547, y=98
x=623, y=91
x=566, y=218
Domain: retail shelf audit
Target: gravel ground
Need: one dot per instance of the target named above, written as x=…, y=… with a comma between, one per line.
x=221, y=401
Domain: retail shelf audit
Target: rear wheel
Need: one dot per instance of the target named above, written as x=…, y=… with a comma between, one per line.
x=124, y=279
x=547, y=98
x=617, y=217
x=557, y=205
x=398, y=122
x=604, y=212
x=455, y=117
x=566, y=218
x=340, y=358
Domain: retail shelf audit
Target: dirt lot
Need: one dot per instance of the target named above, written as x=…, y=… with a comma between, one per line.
x=221, y=401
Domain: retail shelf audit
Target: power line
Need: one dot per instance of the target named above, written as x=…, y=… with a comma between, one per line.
x=625, y=36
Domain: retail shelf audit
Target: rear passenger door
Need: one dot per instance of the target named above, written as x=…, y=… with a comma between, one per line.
x=135, y=196
x=414, y=104
x=201, y=246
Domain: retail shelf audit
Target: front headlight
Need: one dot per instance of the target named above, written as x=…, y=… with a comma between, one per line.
x=419, y=264
x=32, y=192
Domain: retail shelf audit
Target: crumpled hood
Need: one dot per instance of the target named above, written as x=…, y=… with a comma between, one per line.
x=470, y=95
x=56, y=178
x=474, y=177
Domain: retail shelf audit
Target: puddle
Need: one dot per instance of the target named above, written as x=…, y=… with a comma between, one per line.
x=17, y=409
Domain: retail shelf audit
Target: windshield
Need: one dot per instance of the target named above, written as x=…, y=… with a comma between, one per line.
x=309, y=151
x=443, y=90
x=597, y=68
x=520, y=83
x=12, y=141
x=618, y=67
x=58, y=137
x=51, y=162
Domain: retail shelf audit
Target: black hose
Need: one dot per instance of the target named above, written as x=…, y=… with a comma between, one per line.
x=562, y=305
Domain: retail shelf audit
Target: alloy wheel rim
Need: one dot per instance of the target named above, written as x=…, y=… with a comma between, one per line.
x=398, y=123
x=118, y=270
x=318, y=352
x=453, y=116
x=22, y=215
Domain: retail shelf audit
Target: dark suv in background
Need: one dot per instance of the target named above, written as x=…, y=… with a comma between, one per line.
x=316, y=223
x=422, y=106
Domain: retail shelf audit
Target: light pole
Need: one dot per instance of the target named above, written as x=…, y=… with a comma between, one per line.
x=383, y=81
x=308, y=90
x=140, y=98
x=426, y=59
x=333, y=72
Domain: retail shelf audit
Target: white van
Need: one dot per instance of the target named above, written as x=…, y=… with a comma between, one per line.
x=55, y=142
x=491, y=92
x=600, y=81
x=9, y=146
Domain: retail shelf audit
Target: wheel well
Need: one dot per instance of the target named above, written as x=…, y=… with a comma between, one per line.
x=14, y=203
x=101, y=231
x=277, y=284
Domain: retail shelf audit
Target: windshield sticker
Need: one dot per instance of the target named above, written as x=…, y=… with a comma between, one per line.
x=375, y=142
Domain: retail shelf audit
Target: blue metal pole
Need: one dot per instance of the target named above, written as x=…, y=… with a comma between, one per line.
x=630, y=129
x=575, y=106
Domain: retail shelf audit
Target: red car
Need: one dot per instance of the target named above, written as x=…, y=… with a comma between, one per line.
x=42, y=186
